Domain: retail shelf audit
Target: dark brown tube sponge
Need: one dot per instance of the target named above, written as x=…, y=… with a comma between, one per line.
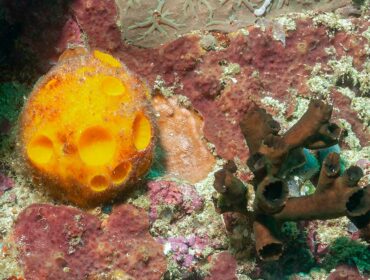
x=272, y=159
x=233, y=193
x=268, y=246
x=271, y=195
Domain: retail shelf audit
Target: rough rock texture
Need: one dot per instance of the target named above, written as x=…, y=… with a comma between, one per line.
x=239, y=229
x=98, y=17
x=223, y=267
x=180, y=137
x=265, y=70
x=271, y=63
x=138, y=19
x=184, y=220
x=345, y=272
x=6, y=183
x=164, y=194
x=263, y=64
x=186, y=251
x=66, y=243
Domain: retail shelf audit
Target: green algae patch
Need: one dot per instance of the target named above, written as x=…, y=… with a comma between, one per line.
x=12, y=97
x=346, y=251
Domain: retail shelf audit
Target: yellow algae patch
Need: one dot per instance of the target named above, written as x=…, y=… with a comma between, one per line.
x=86, y=130
x=141, y=132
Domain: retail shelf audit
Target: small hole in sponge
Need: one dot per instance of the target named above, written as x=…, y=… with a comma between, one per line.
x=271, y=251
x=120, y=173
x=99, y=183
x=112, y=86
x=142, y=132
x=96, y=146
x=107, y=59
x=274, y=191
x=40, y=150
x=357, y=203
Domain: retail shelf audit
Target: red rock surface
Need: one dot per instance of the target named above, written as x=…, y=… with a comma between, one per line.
x=223, y=267
x=60, y=242
x=346, y=272
x=98, y=17
x=197, y=73
x=183, y=197
x=345, y=112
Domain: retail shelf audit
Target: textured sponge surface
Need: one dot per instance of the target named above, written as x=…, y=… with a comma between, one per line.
x=87, y=129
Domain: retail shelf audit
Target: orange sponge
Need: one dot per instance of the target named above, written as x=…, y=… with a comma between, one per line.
x=87, y=130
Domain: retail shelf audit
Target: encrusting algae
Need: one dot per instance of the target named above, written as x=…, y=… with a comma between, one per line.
x=87, y=131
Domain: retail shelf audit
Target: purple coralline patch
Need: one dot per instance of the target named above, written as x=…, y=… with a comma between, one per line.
x=223, y=267
x=98, y=17
x=182, y=196
x=268, y=68
x=60, y=242
x=186, y=251
x=6, y=183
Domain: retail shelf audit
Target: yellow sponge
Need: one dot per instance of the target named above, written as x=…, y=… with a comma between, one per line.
x=87, y=131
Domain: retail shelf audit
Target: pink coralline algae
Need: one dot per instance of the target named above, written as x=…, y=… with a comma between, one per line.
x=185, y=250
x=60, y=242
x=267, y=68
x=223, y=267
x=166, y=193
x=6, y=183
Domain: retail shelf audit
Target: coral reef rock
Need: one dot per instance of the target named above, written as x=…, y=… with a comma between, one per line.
x=223, y=267
x=252, y=66
x=166, y=194
x=66, y=243
x=150, y=23
x=275, y=156
x=277, y=63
